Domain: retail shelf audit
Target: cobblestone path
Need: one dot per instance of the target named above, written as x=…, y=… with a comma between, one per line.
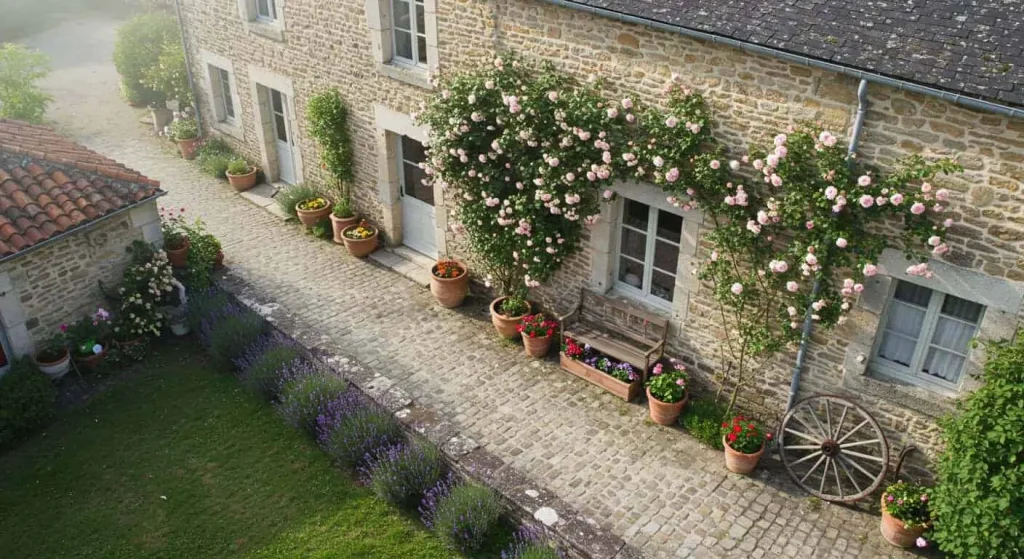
x=655, y=487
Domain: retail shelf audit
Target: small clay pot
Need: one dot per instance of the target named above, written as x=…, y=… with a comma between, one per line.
x=188, y=148
x=178, y=257
x=55, y=369
x=309, y=218
x=339, y=224
x=537, y=347
x=896, y=532
x=507, y=326
x=93, y=361
x=241, y=183
x=360, y=247
x=738, y=462
x=664, y=413
x=450, y=292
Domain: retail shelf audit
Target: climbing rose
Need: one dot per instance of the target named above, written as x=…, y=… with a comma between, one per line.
x=736, y=288
x=942, y=195
x=934, y=240
x=870, y=270
x=831, y=193
x=734, y=165
x=792, y=286
x=896, y=199
x=672, y=175
x=867, y=200
x=864, y=180
x=627, y=103
x=671, y=122
x=841, y=242
x=715, y=164
x=917, y=209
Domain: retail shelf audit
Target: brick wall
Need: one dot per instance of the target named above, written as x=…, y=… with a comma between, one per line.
x=328, y=44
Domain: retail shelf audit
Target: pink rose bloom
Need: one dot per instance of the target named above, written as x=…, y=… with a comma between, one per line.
x=781, y=151
x=942, y=195
x=736, y=288
x=762, y=217
x=553, y=162
x=925, y=187
x=606, y=157
x=831, y=193
x=734, y=165
x=776, y=180
x=671, y=122
x=917, y=209
x=864, y=180
x=867, y=200
x=941, y=249
x=613, y=112
x=753, y=227
x=870, y=270
x=811, y=260
x=780, y=139
x=921, y=542
x=809, y=225
x=630, y=118
x=934, y=240
x=658, y=161
x=627, y=103
x=841, y=242
x=848, y=282
x=553, y=96
x=715, y=164
x=758, y=164
x=792, y=286
x=672, y=175
x=591, y=176
x=948, y=222
x=772, y=160
x=896, y=199
x=569, y=177
x=608, y=194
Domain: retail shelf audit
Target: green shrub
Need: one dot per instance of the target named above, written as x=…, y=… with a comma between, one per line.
x=262, y=372
x=328, y=124
x=538, y=550
x=231, y=335
x=978, y=504
x=466, y=517
x=21, y=97
x=27, y=399
x=137, y=50
x=303, y=398
x=402, y=474
x=184, y=128
x=205, y=305
x=288, y=198
x=343, y=208
x=239, y=166
x=216, y=165
x=702, y=418
x=352, y=430
x=169, y=76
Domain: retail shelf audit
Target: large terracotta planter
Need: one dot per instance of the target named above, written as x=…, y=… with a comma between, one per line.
x=537, y=347
x=664, y=413
x=218, y=260
x=339, y=224
x=738, y=462
x=188, y=148
x=361, y=247
x=241, y=183
x=93, y=361
x=507, y=326
x=55, y=369
x=178, y=257
x=896, y=532
x=626, y=391
x=449, y=292
x=310, y=218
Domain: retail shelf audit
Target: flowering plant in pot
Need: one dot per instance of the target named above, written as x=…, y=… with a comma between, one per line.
x=905, y=514
x=507, y=312
x=342, y=217
x=537, y=332
x=185, y=131
x=360, y=240
x=241, y=175
x=617, y=377
x=54, y=359
x=313, y=210
x=176, y=238
x=744, y=440
x=449, y=282
x=88, y=337
x=667, y=392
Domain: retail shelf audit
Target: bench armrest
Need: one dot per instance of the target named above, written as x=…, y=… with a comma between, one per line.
x=657, y=347
x=573, y=312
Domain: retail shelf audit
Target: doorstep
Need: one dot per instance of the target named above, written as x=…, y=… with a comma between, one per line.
x=263, y=196
x=406, y=262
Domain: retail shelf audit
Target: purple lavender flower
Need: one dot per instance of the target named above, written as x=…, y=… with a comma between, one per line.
x=304, y=397
x=433, y=497
x=402, y=474
x=353, y=430
x=529, y=541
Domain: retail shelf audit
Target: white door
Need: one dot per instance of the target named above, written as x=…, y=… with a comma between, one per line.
x=418, y=230
x=283, y=140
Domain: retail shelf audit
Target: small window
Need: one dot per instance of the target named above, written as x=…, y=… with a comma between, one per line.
x=409, y=35
x=266, y=10
x=648, y=256
x=223, y=103
x=926, y=336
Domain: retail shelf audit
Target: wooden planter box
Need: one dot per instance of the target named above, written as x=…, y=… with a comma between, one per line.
x=626, y=391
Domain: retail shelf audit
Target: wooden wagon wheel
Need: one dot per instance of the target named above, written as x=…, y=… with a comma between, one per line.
x=833, y=449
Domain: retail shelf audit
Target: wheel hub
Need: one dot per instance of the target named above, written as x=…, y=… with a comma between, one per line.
x=830, y=448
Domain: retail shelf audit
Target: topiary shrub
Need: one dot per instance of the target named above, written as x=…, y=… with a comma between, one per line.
x=138, y=48
x=352, y=430
x=303, y=398
x=466, y=516
x=27, y=399
x=978, y=504
x=238, y=328
x=402, y=474
x=702, y=419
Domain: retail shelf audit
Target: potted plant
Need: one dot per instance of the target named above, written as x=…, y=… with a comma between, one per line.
x=744, y=441
x=507, y=312
x=313, y=210
x=54, y=359
x=616, y=377
x=342, y=217
x=537, y=332
x=667, y=392
x=185, y=131
x=449, y=282
x=88, y=337
x=360, y=240
x=175, y=233
x=904, y=513
x=124, y=334
x=241, y=175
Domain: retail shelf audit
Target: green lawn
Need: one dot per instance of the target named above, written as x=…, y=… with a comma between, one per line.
x=179, y=461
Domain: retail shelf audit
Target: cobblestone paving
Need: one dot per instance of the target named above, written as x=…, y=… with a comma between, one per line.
x=655, y=487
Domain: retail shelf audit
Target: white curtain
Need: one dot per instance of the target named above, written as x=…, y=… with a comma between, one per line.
x=952, y=335
x=901, y=332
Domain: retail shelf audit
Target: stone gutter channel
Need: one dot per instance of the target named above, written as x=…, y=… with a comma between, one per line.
x=525, y=501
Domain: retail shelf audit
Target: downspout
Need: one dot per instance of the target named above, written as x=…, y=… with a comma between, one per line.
x=805, y=338
x=188, y=67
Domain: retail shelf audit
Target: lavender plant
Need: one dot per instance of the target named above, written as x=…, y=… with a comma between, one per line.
x=402, y=474
x=262, y=364
x=303, y=398
x=352, y=430
x=204, y=305
x=528, y=543
x=466, y=516
x=231, y=331
x=433, y=497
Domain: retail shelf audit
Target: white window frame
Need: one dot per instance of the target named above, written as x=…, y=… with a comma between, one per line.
x=223, y=91
x=644, y=294
x=912, y=374
x=271, y=15
x=413, y=30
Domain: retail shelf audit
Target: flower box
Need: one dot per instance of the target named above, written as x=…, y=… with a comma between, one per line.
x=626, y=391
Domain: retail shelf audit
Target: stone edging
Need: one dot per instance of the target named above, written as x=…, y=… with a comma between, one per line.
x=526, y=501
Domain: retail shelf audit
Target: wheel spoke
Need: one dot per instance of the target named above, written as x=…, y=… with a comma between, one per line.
x=824, y=474
x=821, y=427
x=849, y=475
x=862, y=456
x=859, y=443
x=842, y=418
x=806, y=458
x=802, y=447
x=806, y=426
x=804, y=435
x=814, y=467
x=855, y=429
x=828, y=419
x=856, y=465
x=839, y=484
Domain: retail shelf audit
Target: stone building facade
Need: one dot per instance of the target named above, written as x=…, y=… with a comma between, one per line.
x=306, y=46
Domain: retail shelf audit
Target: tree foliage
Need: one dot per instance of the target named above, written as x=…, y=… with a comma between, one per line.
x=141, y=44
x=21, y=68
x=328, y=124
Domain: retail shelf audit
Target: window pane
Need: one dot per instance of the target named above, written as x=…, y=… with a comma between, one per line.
x=412, y=150
x=899, y=338
x=631, y=272
x=421, y=26
x=662, y=285
x=421, y=49
x=403, y=44
x=670, y=226
x=400, y=9
x=962, y=309
x=913, y=294
x=636, y=214
x=634, y=244
x=280, y=128
x=943, y=364
x=953, y=334
x=225, y=90
x=413, y=178
x=666, y=256
x=275, y=101
x=263, y=7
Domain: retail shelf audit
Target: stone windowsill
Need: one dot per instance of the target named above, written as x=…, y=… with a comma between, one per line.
x=922, y=400
x=227, y=128
x=272, y=31
x=416, y=76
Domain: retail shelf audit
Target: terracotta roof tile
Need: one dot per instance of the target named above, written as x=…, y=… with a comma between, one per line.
x=49, y=185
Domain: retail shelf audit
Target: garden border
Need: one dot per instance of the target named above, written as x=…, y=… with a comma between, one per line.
x=525, y=501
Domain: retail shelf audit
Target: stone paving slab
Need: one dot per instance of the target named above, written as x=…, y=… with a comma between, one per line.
x=655, y=487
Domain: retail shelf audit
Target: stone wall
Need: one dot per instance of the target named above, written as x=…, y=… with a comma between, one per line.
x=58, y=283
x=753, y=97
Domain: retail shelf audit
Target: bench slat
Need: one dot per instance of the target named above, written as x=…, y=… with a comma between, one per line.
x=609, y=346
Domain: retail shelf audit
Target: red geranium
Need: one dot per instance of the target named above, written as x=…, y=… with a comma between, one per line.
x=537, y=326
x=745, y=435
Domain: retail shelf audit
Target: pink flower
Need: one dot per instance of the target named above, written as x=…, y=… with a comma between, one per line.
x=753, y=227
x=934, y=240
x=734, y=165
x=608, y=194
x=553, y=162
x=671, y=122
x=630, y=118
x=681, y=382
x=772, y=160
x=941, y=249
x=870, y=270
x=714, y=164
x=553, y=96
x=792, y=286
x=858, y=287
x=917, y=209
x=736, y=288
x=921, y=542
x=896, y=199
x=672, y=175
x=613, y=112
x=841, y=242
x=658, y=161
x=811, y=259
x=809, y=225
x=864, y=180
x=762, y=217
x=780, y=139
x=948, y=222
x=657, y=369
x=926, y=187
x=831, y=193
x=758, y=164
x=867, y=200
x=627, y=103
x=776, y=180
x=63, y=327
x=942, y=195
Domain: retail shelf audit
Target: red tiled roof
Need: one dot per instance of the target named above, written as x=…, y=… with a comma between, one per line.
x=50, y=185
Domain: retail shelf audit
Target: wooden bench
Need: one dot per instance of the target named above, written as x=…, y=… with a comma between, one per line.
x=616, y=330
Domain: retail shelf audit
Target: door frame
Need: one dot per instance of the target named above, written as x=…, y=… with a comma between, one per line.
x=289, y=133
x=261, y=82
x=405, y=199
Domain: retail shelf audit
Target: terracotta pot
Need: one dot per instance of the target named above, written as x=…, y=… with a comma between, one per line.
x=664, y=413
x=129, y=343
x=310, y=218
x=180, y=328
x=738, y=462
x=537, y=347
x=218, y=261
x=243, y=182
x=93, y=361
x=450, y=292
x=340, y=224
x=360, y=247
x=55, y=369
x=506, y=325
x=188, y=148
x=896, y=532
x=608, y=383
x=179, y=256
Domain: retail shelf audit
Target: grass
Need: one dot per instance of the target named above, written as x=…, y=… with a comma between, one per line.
x=702, y=418
x=181, y=461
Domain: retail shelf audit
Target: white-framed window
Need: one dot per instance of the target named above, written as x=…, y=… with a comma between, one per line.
x=265, y=10
x=410, y=155
x=409, y=32
x=925, y=336
x=223, y=102
x=647, y=259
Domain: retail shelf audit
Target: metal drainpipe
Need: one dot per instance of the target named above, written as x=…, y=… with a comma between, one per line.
x=805, y=338
x=188, y=67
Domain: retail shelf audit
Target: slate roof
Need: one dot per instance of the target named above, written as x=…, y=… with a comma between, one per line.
x=972, y=47
x=50, y=185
